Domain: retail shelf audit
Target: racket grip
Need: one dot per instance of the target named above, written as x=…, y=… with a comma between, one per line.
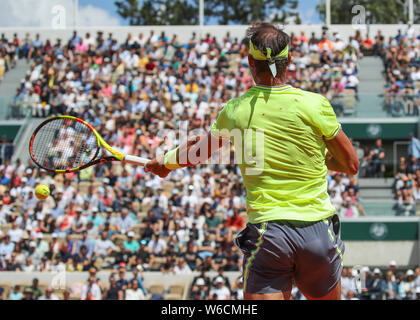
x=135, y=160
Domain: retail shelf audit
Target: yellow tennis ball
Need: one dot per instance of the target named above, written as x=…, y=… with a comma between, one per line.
x=42, y=192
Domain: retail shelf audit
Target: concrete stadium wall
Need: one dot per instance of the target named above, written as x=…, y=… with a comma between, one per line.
x=184, y=32
x=72, y=277
x=380, y=253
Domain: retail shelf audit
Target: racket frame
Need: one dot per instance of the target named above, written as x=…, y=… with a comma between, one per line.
x=117, y=156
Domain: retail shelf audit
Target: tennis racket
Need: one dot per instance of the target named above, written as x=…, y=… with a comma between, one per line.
x=67, y=144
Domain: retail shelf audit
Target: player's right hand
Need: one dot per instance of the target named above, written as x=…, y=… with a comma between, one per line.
x=157, y=167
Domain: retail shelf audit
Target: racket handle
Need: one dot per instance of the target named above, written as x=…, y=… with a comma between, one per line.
x=135, y=160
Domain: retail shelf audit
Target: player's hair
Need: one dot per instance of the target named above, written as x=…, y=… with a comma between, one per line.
x=266, y=35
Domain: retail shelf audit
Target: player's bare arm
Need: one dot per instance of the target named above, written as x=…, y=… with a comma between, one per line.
x=341, y=155
x=192, y=146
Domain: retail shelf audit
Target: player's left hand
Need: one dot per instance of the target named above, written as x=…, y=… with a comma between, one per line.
x=157, y=167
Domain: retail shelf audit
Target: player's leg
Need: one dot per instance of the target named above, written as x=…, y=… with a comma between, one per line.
x=268, y=262
x=334, y=294
x=319, y=261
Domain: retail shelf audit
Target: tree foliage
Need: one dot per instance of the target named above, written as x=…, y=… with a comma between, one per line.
x=381, y=11
x=158, y=12
x=186, y=12
x=246, y=11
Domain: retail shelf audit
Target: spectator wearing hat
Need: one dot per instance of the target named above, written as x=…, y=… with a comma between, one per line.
x=199, y=291
x=238, y=289
x=368, y=279
x=220, y=291
x=375, y=286
x=407, y=286
x=131, y=245
x=393, y=269
x=190, y=197
x=28, y=294
x=34, y=289
x=201, y=285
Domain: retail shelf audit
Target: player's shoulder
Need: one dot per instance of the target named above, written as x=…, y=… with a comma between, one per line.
x=309, y=96
x=234, y=104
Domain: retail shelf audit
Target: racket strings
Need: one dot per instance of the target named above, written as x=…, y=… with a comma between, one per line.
x=64, y=144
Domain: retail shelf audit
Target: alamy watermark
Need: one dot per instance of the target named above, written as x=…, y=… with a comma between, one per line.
x=358, y=21
x=58, y=20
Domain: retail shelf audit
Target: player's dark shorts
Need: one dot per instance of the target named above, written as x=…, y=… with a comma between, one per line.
x=277, y=252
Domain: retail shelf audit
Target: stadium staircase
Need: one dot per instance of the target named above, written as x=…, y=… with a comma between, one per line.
x=376, y=193
x=372, y=83
x=22, y=140
x=377, y=197
x=10, y=83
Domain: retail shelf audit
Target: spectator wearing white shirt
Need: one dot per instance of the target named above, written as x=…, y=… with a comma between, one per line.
x=15, y=233
x=157, y=246
x=190, y=198
x=103, y=247
x=181, y=267
x=407, y=286
x=134, y=293
x=417, y=280
x=347, y=283
x=48, y=295
x=220, y=292
x=415, y=74
x=91, y=287
x=162, y=199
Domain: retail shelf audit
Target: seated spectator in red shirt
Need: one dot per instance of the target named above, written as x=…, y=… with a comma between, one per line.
x=235, y=221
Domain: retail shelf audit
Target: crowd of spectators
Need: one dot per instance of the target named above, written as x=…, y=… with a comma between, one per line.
x=377, y=284
x=138, y=94
x=344, y=193
x=401, y=58
x=357, y=283
x=407, y=179
x=9, y=54
x=328, y=66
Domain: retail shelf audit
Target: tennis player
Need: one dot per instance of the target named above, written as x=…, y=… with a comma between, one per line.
x=293, y=231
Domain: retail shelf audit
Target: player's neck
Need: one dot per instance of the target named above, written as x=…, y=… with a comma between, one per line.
x=270, y=82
